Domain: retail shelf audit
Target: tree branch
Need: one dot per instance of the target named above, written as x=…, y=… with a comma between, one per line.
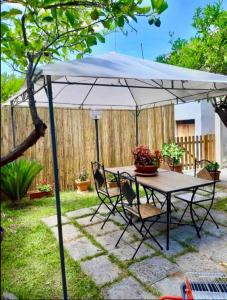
x=74, y=3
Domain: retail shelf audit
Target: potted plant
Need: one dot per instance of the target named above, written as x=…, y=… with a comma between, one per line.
x=112, y=180
x=145, y=161
x=82, y=182
x=175, y=152
x=44, y=189
x=213, y=169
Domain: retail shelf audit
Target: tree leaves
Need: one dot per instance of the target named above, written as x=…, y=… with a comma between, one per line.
x=70, y=16
x=94, y=14
x=159, y=6
x=48, y=19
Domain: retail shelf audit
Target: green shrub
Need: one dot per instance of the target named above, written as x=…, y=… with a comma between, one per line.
x=174, y=151
x=16, y=178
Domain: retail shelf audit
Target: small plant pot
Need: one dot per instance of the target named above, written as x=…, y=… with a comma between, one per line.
x=83, y=186
x=177, y=168
x=37, y=194
x=112, y=184
x=215, y=175
x=146, y=169
x=2, y=232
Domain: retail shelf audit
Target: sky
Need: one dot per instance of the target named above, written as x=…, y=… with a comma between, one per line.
x=155, y=40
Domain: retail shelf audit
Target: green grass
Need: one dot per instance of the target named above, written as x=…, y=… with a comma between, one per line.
x=30, y=265
x=221, y=204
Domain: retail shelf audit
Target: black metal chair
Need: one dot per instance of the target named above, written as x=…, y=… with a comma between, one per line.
x=109, y=197
x=134, y=211
x=193, y=198
x=168, y=164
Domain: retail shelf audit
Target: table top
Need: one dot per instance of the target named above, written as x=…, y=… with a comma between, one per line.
x=166, y=181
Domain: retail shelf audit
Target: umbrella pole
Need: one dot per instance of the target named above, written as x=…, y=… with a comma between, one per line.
x=56, y=180
x=137, y=126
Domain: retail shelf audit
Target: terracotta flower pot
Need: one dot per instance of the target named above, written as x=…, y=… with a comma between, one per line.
x=112, y=184
x=215, y=175
x=39, y=194
x=177, y=168
x=83, y=186
x=146, y=169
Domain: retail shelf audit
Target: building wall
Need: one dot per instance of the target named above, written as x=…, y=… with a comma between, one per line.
x=189, y=111
x=203, y=114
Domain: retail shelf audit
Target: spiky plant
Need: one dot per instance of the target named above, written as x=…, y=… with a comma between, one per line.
x=16, y=178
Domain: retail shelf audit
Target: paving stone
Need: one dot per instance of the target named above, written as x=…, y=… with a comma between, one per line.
x=128, y=288
x=192, y=262
x=109, y=241
x=96, y=228
x=118, y=219
x=69, y=231
x=102, y=210
x=183, y=233
x=81, y=248
x=52, y=220
x=85, y=221
x=170, y=285
x=101, y=269
x=125, y=252
x=211, y=228
x=214, y=248
x=220, y=194
x=79, y=212
x=153, y=269
x=175, y=247
x=220, y=217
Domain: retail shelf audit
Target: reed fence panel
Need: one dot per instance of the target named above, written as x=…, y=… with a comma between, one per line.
x=76, y=138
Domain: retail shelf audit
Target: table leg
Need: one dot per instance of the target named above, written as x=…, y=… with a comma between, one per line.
x=168, y=212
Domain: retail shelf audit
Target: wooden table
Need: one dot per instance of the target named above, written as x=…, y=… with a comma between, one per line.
x=166, y=182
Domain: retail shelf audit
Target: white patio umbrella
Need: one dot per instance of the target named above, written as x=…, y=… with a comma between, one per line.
x=115, y=81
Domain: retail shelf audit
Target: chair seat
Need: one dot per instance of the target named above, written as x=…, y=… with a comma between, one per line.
x=146, y=210
x=113, y=192
x=197, y=198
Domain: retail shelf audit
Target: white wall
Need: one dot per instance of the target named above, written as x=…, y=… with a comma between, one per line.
x=207, y=118
x=202, y=112
x=221, y=142
x=189, y=111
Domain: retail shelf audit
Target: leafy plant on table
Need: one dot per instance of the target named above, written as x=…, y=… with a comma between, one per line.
x=83, y=175
x=17, y=177
x=143, y=156
x=174, y=151
x=44, y=186
x=212, y=167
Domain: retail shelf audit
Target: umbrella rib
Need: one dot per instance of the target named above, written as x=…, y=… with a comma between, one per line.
x=165, y=90
x=88, y=93
x=130, y=92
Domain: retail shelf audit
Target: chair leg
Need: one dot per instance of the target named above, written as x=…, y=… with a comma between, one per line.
x=122, y=233
x=151, y=235
x=194, y=222
x=139, y=245
x=181, y=218
x=96, y=211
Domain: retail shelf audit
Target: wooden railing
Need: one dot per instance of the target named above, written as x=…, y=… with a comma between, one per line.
x=200, y=147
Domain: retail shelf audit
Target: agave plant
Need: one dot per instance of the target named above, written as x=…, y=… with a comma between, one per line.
x=16, y=178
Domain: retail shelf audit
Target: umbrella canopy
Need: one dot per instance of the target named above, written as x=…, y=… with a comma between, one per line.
x=119, y=81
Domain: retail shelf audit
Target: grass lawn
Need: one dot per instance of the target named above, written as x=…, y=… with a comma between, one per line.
x=221, y=204
x=30, y=265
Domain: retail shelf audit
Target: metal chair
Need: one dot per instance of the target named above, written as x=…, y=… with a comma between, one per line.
x=193, y=198
x=132, y=207
x=109, y=197
x=168, y=164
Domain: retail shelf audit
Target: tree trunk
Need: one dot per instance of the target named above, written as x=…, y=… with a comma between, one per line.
x=40, y=126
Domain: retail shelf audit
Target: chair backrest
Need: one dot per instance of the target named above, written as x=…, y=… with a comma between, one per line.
x=204, y=174
x=99, y=176
x=125, y=181
x=167, y=162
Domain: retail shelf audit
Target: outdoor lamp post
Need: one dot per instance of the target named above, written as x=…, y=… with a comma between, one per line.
x=96, y=115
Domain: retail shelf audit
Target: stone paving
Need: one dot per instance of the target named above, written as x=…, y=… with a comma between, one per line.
x=153, y=272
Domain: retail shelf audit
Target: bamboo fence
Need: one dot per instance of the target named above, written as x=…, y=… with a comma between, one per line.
x=76, y=138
